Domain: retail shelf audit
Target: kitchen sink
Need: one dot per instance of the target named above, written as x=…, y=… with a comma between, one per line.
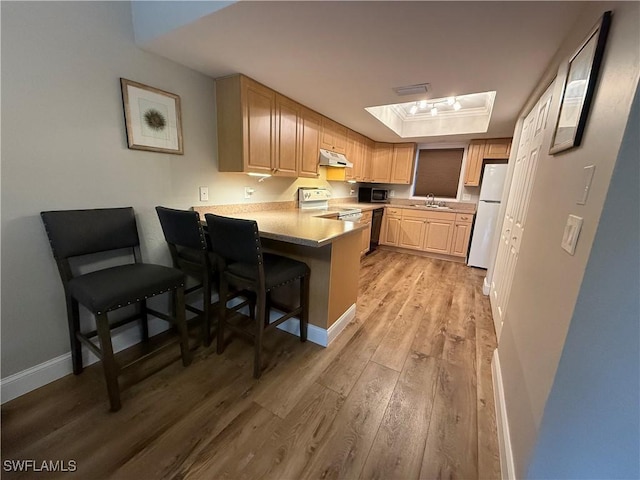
x=430, y=207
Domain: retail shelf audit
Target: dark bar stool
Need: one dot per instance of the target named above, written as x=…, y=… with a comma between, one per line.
x=76, y=233
x=190, y=253
x=237, y=242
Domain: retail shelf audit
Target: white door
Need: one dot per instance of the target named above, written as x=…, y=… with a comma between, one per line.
x=513, y=226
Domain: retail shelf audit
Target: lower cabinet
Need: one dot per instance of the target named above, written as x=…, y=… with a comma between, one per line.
x=390, y=230
x=426, y=231
x=366, y=233
x=461, y=235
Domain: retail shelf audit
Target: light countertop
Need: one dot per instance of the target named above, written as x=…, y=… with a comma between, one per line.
x=299, y=227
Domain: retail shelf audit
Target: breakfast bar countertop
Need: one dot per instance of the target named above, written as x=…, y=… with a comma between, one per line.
x=298, y=226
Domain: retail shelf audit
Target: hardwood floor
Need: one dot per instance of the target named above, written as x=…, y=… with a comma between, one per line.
x=404, y=392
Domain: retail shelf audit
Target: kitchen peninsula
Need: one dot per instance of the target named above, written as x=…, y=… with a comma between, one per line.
x=330, y=247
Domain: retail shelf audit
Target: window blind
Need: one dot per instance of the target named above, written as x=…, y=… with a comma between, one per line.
x=438, y=172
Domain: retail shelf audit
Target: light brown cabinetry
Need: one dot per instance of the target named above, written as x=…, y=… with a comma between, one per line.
x=475, y=155
x=366, y=233
x=498, y=148
x=480, y=150
x=413, y=228
x=334, y=136
x=288, y=151
x=355, y=154
x=461, y=235
x=258, y=129
x=439, y=234
x=390, y=231
x=310, y=129
x=402, y=164
x=444, y=233
x=381, y=162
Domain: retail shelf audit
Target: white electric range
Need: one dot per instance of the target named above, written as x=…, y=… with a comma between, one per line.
x=318, y=199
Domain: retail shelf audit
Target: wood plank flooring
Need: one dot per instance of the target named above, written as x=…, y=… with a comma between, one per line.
x=405, y=392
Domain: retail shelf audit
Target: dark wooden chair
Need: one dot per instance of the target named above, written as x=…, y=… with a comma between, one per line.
x=243, y=263
x=75, y=235
x=188, y=245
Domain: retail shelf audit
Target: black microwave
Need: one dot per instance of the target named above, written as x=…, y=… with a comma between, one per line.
x=373, y=195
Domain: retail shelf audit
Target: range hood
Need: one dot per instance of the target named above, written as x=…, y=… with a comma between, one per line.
x=333, y=159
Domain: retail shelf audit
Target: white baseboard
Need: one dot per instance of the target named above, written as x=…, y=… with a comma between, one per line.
x=315, y=334
x=502, y=422
x=35, y=377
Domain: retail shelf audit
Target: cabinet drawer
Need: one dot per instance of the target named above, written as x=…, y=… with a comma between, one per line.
x=366, y=216
x=441, y=216
x=464, y=217
x=393, y=212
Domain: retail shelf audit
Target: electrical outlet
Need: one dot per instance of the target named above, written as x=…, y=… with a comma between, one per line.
x=248, y=192
x=392, y=193
x=204, y=194
x=466, y=197
x=351, y=192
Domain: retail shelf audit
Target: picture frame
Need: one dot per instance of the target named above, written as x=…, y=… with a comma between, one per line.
x=578, y=88
x=152, y=118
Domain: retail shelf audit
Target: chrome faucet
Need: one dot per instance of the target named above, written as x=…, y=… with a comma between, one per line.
x=431, y=199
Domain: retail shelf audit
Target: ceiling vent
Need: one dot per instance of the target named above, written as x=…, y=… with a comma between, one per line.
x=418, y=89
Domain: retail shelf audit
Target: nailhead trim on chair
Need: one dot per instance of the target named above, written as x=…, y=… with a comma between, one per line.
x=145, y=297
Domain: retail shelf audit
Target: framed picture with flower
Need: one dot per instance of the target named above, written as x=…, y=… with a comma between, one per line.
x=152, y=118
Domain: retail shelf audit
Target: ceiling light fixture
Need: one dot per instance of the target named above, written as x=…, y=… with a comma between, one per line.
x=434, y=111
x=423, y=104
x=451, y=101
x=457, y=106
x=413, y=109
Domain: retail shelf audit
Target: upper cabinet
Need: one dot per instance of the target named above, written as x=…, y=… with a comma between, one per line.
x=262, y=131
x=402, y=165
x=334, y=136
x=499, y=148
x=480, y=150
x=246, y=125
x=381, y=162
x=288, y=123
x=475, y=155
x=310, y=130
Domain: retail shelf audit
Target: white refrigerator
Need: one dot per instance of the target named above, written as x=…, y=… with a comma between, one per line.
x=493, y=179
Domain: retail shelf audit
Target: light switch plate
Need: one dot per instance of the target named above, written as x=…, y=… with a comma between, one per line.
x=587, y=177
x=204, y=194
x=571, y=234
x=248, y=192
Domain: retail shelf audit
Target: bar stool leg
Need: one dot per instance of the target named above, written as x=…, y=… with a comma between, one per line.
x=206, y=309
x=73, y=317
x=144, y=321
x=108, y=361
x=222, y=312
x=179, y=316
x=261, y=318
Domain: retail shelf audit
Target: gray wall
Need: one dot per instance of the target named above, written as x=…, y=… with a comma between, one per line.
x=590, y=427
x=547, y=279
x=64, y=146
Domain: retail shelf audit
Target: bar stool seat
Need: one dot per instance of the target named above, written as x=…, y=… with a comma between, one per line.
x=278, y=270
x=113, y=288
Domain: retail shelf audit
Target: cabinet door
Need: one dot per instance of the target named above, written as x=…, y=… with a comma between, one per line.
x=381, y=162
x=334, y=136
x=390, y=232
x=498, y=148
x=461, y=236
x=475, y=155
x=402, y=165
x=367, y=154
x=412, y=232
x=353, y=154
x=287, y=155
x=439, y=236
x=259, y=131
x=366, y=239
x=310, y=129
